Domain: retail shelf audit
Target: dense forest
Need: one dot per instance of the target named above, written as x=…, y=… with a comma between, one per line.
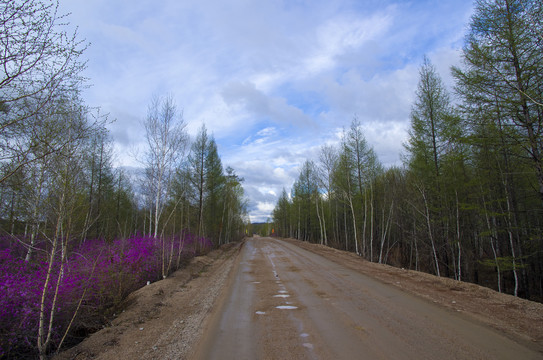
x=468, y=202
x=77, y=234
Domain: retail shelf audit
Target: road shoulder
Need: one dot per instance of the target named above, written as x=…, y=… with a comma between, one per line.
x=165, y=319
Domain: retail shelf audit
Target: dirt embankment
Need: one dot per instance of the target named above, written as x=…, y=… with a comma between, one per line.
x=165, y=320
x=162, y=320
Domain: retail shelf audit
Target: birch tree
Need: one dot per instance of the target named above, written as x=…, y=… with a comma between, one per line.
x=39, y=60
x=167, y=142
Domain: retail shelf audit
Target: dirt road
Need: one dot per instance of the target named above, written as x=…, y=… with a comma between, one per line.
x=288, y=299
x=285, y=302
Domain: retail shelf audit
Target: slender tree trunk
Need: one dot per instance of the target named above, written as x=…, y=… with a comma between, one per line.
x=354, y=226
x=222, y=220
x=371, y=221
x=430, y=233
x=99, y=197
x=35, y=222
x=364, y=241
x=150, y=220
x=511, y=244
x=88, y=216
x=458, y=236
x=324, y=226
x=385, y=230
x=415, y=241
x=118, y=205
x=345, y=226
x=319, y=218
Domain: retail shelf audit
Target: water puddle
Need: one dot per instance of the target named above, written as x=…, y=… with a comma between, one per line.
x=260, y=313
x=304, y=335
x=286, y=307
x=282, y=295
x=283, y=291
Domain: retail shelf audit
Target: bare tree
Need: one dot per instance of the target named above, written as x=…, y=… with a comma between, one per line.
x=38, y=60
x=66, y=178
x=167, y=142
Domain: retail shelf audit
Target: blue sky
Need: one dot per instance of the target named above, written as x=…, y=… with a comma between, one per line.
x=273, y=80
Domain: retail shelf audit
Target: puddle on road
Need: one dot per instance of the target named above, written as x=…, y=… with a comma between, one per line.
x=283, y=291
x=260, y=313
x=282, y=295
x=286, y=307
x=304, y=335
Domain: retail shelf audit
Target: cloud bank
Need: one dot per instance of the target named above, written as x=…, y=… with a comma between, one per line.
x=272, y=80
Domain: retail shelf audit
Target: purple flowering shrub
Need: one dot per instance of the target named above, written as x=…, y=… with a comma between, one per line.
x=96, y=276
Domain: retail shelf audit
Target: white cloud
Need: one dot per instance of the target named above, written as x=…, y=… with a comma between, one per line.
x=345, y=34
x=272, y=80
x=266, y=132
x=262, y=106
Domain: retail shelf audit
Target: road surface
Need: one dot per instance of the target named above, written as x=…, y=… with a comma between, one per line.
x=284, y=302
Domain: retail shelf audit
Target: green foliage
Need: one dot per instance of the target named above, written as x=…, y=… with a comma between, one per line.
x=468, y=203
x=506, y=263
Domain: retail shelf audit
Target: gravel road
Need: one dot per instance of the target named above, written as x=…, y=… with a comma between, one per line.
x=285, y=302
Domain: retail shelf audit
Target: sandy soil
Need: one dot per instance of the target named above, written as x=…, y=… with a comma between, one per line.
x=165, y=319
x=185, y=315
x=515, y=316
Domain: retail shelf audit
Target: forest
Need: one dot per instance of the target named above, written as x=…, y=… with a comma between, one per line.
x=468, y=201
x=78, y=234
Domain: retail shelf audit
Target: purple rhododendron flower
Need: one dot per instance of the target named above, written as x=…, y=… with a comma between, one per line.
x=99, y=273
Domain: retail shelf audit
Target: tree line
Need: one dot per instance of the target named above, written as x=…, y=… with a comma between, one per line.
x=57, y=178
x=468, y=202
x=186, y=186
x=73, y=227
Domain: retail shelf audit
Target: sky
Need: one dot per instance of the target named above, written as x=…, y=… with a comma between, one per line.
x=272, y=80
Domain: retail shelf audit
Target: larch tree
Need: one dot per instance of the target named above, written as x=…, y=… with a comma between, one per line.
x=214, y=190
x=430, y=120
x=503, y=69
x=365, y=167
x=501, y=86
x=344, y=184
x=234, y=207
x=328, y=157
x=197, y=164
x=281, y=215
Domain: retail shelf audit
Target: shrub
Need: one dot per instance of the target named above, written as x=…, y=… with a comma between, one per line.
x=95, y=277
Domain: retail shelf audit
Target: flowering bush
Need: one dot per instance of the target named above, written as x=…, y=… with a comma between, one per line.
x=96, y=275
